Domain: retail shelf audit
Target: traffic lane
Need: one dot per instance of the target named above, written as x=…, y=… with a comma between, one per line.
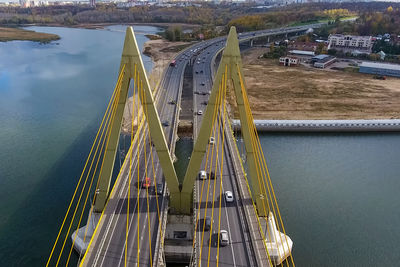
x=109, y=217
x=115, y=250
x=146, y=254
x=125, y=219
x=228, y=254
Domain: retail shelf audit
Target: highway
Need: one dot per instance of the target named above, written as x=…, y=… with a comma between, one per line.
x=108, y=244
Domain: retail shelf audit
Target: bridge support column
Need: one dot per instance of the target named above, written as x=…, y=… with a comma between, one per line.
x=231, y=59
x=132, y=61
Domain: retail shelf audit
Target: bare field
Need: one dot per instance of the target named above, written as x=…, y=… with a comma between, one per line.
x=277, y=92
x=10, y=34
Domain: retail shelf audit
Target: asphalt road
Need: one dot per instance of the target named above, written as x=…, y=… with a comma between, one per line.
x=108, y=244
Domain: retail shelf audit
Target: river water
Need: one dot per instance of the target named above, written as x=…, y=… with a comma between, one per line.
x=338, y=193
x=52, y=98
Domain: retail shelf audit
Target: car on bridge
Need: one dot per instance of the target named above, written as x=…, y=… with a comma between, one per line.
x=212, y=175
x=223, y=237
x=228, y=196
x=202, y=175
x=159, y=189
x=207, y=223
x=146, y=183
x=212, y=140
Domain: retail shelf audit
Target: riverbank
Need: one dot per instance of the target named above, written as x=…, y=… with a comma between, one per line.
x=323, y=125
x=17, y=34
x=300, y=93
x=161, y=53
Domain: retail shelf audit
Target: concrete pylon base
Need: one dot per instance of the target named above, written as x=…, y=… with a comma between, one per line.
x=278, y=244
x=81, y=241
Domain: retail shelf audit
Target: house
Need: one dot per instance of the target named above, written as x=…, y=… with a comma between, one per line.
x=288, y=61
x=348, y=43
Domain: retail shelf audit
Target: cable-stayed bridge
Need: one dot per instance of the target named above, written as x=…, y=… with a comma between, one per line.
x=223, y=213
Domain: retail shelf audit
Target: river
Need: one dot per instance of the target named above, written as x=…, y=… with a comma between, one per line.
x=337, y=192
x=52, y=98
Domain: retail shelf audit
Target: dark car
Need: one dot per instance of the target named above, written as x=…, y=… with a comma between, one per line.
x=160, y=189
x=207, y=223
x=202, y=84
x=201, y=71
x=212, y=175
x=197, y=72
x=165, y=123
x=204, y=102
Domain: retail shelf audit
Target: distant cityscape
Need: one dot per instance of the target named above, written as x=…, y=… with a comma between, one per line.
x=128, y=3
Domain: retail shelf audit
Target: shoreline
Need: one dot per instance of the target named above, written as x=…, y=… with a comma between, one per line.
x=375, y=125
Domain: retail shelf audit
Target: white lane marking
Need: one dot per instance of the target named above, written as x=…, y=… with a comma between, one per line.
x=113, y=214
x=130, y=224
x=103, y=240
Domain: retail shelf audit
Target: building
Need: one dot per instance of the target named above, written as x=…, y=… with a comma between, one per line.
x=304, y=46
x=302, y=53
x=288, y=61
x=380, y=69
x=347, y=43
x=322, y=61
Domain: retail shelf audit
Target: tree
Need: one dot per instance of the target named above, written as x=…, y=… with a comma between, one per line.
x=389, y=9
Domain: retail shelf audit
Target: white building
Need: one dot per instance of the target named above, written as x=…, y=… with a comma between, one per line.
x=288, y=61
x=350, y=42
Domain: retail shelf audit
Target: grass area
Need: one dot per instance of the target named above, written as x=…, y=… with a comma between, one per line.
x=277, y=92
x=11, y=34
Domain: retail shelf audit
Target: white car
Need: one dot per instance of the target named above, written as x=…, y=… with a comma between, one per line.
x=202, y=175
x=228, y=196
x=212, y=140
x=200, y=112
x=223, y=238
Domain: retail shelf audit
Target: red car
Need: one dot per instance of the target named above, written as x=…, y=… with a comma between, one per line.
x=146, y=183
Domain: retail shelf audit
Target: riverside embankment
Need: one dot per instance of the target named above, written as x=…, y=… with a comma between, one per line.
x=324, y=125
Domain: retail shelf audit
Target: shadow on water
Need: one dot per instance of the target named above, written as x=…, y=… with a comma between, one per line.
x=28, y=236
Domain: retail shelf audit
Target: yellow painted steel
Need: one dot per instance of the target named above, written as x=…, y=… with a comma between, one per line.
x=230, y=57
x=130, y=57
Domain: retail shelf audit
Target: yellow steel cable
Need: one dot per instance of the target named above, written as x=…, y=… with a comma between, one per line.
x=212, y=132
x=138, y=182
x=211, y=160
x=84, y=185
x=112, y=191
x=87, y=161
x=97, y=184
x=257, y=156
x=248, y=188
x=155, y=187
x=257, y=167
x=215, y=180
x=265, y=170
x=91, y=183
x=78, y=203
x=130, y=167
x=222, y=161
x=144, y=100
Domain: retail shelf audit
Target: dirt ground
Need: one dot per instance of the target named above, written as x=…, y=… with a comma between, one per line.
x=277, y=92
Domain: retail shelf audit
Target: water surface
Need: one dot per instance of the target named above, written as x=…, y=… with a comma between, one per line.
x=52, y=98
